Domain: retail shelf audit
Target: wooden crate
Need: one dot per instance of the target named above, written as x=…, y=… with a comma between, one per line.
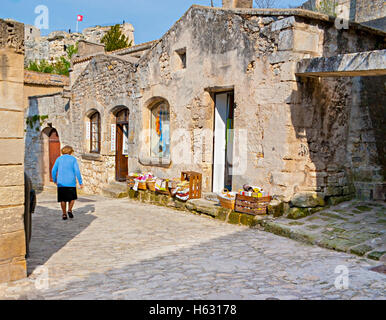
x=252, y=205
x=195, y=183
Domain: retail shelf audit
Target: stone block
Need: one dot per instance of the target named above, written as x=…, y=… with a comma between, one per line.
x=11, y=175
x=286, y=40
x=276, y=208
x=11, y=219
x=11, y=195
x=307, y=200
x=306, y=42
x=288, y=70
x=12, y=245
x=234, y=218
x=12, y=271
x=298, y=41
x=298, y=213
x=10, y=59
x=11, y=124
x=11, y=95
x=283, y=24
x=12, y=151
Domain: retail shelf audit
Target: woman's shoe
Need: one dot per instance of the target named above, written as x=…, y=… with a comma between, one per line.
x=64, y=217
x=70, y=214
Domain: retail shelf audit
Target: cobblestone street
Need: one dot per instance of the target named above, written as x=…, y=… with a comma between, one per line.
x=118, y=249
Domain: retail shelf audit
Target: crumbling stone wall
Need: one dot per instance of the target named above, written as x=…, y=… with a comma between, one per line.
x=12, y=237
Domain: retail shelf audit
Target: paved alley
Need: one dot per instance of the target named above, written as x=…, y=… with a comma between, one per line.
x=119, y=249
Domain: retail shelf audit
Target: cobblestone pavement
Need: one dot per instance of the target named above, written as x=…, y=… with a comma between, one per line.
x=356, y=227
x=118, y=249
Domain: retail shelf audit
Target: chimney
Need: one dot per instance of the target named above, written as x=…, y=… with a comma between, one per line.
x=237, y=4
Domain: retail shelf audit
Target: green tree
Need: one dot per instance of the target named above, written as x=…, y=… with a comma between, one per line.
x=114, y=39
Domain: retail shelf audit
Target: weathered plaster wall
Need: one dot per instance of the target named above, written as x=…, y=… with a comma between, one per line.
x=12, y=237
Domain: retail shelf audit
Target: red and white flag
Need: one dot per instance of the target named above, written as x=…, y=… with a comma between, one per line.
x=80, y=17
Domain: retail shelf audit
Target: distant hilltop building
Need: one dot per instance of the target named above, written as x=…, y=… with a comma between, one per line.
x=368, y=12
x=53, y=46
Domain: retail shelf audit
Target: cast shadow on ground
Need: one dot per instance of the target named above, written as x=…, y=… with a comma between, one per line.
x=49, y=226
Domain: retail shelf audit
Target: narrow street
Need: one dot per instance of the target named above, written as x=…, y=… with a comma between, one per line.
x=117, y=249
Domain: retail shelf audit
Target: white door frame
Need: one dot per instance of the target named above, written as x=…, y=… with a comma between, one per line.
x=219, y=145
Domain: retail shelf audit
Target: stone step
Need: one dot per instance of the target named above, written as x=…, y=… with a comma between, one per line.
x=115, y=190
x=210, y=196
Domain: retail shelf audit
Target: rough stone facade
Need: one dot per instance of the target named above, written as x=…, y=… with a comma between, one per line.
x=52, y=46
x=318, y=136
x=369, y=12
x=12, y=237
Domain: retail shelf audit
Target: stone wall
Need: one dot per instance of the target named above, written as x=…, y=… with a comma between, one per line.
x=105, y=85
x=369, y=12
x=12, y=237
x=295, y=143
x=57, y=109
x=300, y=134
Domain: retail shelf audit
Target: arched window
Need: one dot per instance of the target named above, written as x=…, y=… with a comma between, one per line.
x=160, y=131
x=95, y=133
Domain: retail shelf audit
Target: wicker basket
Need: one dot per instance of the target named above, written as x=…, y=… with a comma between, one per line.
x=150, y=185
x=227, y=203
x=142, y=185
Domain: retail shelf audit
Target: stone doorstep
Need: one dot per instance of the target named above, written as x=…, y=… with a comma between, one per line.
x=313, y=238
x=197, y=206
x=115, y=190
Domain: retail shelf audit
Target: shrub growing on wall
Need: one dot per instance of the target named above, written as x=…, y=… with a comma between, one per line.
x=60, y=66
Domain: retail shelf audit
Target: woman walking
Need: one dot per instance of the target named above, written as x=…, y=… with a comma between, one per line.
x=64, y=174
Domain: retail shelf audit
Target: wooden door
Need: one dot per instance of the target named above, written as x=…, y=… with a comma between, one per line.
x=54, y=149
x=121, y=158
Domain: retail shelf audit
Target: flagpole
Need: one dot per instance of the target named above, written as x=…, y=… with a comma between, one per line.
x=77, y=25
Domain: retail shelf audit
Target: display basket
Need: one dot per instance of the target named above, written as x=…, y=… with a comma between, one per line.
x=227, y=203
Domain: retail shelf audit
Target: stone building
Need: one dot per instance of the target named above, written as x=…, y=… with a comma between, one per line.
x=369, y=12
x=54, y=45
x=170, y=105
x=12, y=238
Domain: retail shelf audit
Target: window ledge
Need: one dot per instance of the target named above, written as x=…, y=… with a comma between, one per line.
x=92, y=156
x=152, y=161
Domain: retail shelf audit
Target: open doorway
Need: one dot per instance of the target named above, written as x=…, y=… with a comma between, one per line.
x=223, y=141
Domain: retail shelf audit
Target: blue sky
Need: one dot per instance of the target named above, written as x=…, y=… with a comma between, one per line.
x=150, y=18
